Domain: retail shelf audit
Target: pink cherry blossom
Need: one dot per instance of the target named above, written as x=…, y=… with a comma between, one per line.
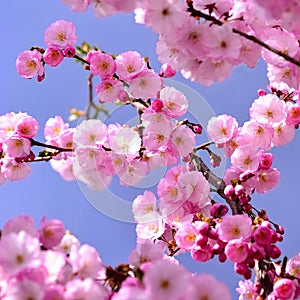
x=27, y=126
x=268, y=109
x=51, y=232
x=265, y=161
x=78, y=5
x=54, y=126
x=14, y=171
x=145, y=252
x=102, y=64
x=129, y=65
x=86, y=289
x=182, y=141
x=237, y=250
x=167, y=71
x=221, y=128
x=201, y=253
x=185, y=236
x=17, y=146
x=284, y=288
x=18, y=250
x=204, y=286
x=246, y=290
x=90, y=132
x=60, y=34
x=144, y=204
x=246, y=158
x=53, y=56
x=234, y=227
x=127, y=142
x=20, y=223
x=109, y=90
x=134, y=172
x=260, y=134
x=29, y=64
x=86, y=262
x=293, y=266
x=283, y=133
x=145, y=85
x=266, y=180
x=165, y=280
x=174, y=101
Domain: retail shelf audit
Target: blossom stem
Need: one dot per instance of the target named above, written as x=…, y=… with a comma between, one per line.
x=36, y=143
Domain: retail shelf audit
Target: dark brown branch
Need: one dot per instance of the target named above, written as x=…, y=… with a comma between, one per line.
x=81, y=59
x=200, y=14
x=216, y=181
x=36, y=143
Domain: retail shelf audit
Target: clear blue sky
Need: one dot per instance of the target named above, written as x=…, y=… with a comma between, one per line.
x=22, y=24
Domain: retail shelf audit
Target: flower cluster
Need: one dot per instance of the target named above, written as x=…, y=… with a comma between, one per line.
x=50, y=263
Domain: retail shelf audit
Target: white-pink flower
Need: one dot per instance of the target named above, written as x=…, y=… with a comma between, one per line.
x=144, y=204
x=174, y=101
x=246, y=158
x=60, y=34
x=165, y=280
x=109, y=90
x=234, y=227
x=182, y=141
x=102, y=64
x=268, y=109
x=20, y=223
x=221, y=128
x=17, y=146
x=14, y=171
x=54, y=127
x=266, y=180
x=283, y=133
x=29, y=64
x=185, y=236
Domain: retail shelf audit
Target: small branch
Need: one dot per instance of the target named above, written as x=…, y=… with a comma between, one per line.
x=216, y=181
x=203, y=146
x=81, y=59
x=36, y=143
x=199, y=14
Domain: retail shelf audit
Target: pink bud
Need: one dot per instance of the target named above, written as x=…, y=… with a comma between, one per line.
x=201, y=240
x=40, y=78
x=265, y=161
x=51, y=232
x=246, y=175
x=69, y=51
x=123, y=96
x=167, y=71
x=222, y=257
x=202, y=227
x=202, y=254
x=229, y=190
x=284, y=289
x=218, y=210
x=273, y=251
x=261, y=92
x=157, y=105
x=262, y=235
x=239, y=190
x=197, y=128
x=53, y=56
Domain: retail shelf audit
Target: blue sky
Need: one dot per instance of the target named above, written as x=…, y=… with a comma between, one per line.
x=43, y=192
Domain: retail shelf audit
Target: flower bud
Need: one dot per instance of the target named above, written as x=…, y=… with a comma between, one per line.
x=53, y=57
x=167, y=71
x=157, y=105
x=69, y=51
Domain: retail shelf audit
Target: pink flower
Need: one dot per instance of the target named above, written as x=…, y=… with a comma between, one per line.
x=144, y=204
x=145, y=252
x=201, y=253
x=54, y=127
x=86, y=262
x=165, y=280
x=27, y=126
x=259, y=134
x=29, y=64
x=284, y=288
x=205, y=286
x=127, y=142
x=53, y=56
x=283, y=133
x=54, y=292
x=60, y=34
x=185, y=236
x=182, y=141
x=109, y=90
x=17, y=251
x=51, y=232
x=90, y=132
x=164, y=15
x=174, y=101
x=237, y=251
x=293, y=266
x=268, y=109
x=20, y=223
x=246, y=158
x=293, y=115
x=266, y=180
x=221, y=128
x=86, y=289
x=145, y=85
x=17, y=146
x=247, y=290
x=262, y=235
x=77, y=5
x=134, y=172
x=102, y=64
x=234, y=227
x=265, y=161
x=129, y=65
x=167, y=71
x=14, y=171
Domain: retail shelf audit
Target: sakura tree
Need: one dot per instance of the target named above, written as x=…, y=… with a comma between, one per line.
x=198, y=207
